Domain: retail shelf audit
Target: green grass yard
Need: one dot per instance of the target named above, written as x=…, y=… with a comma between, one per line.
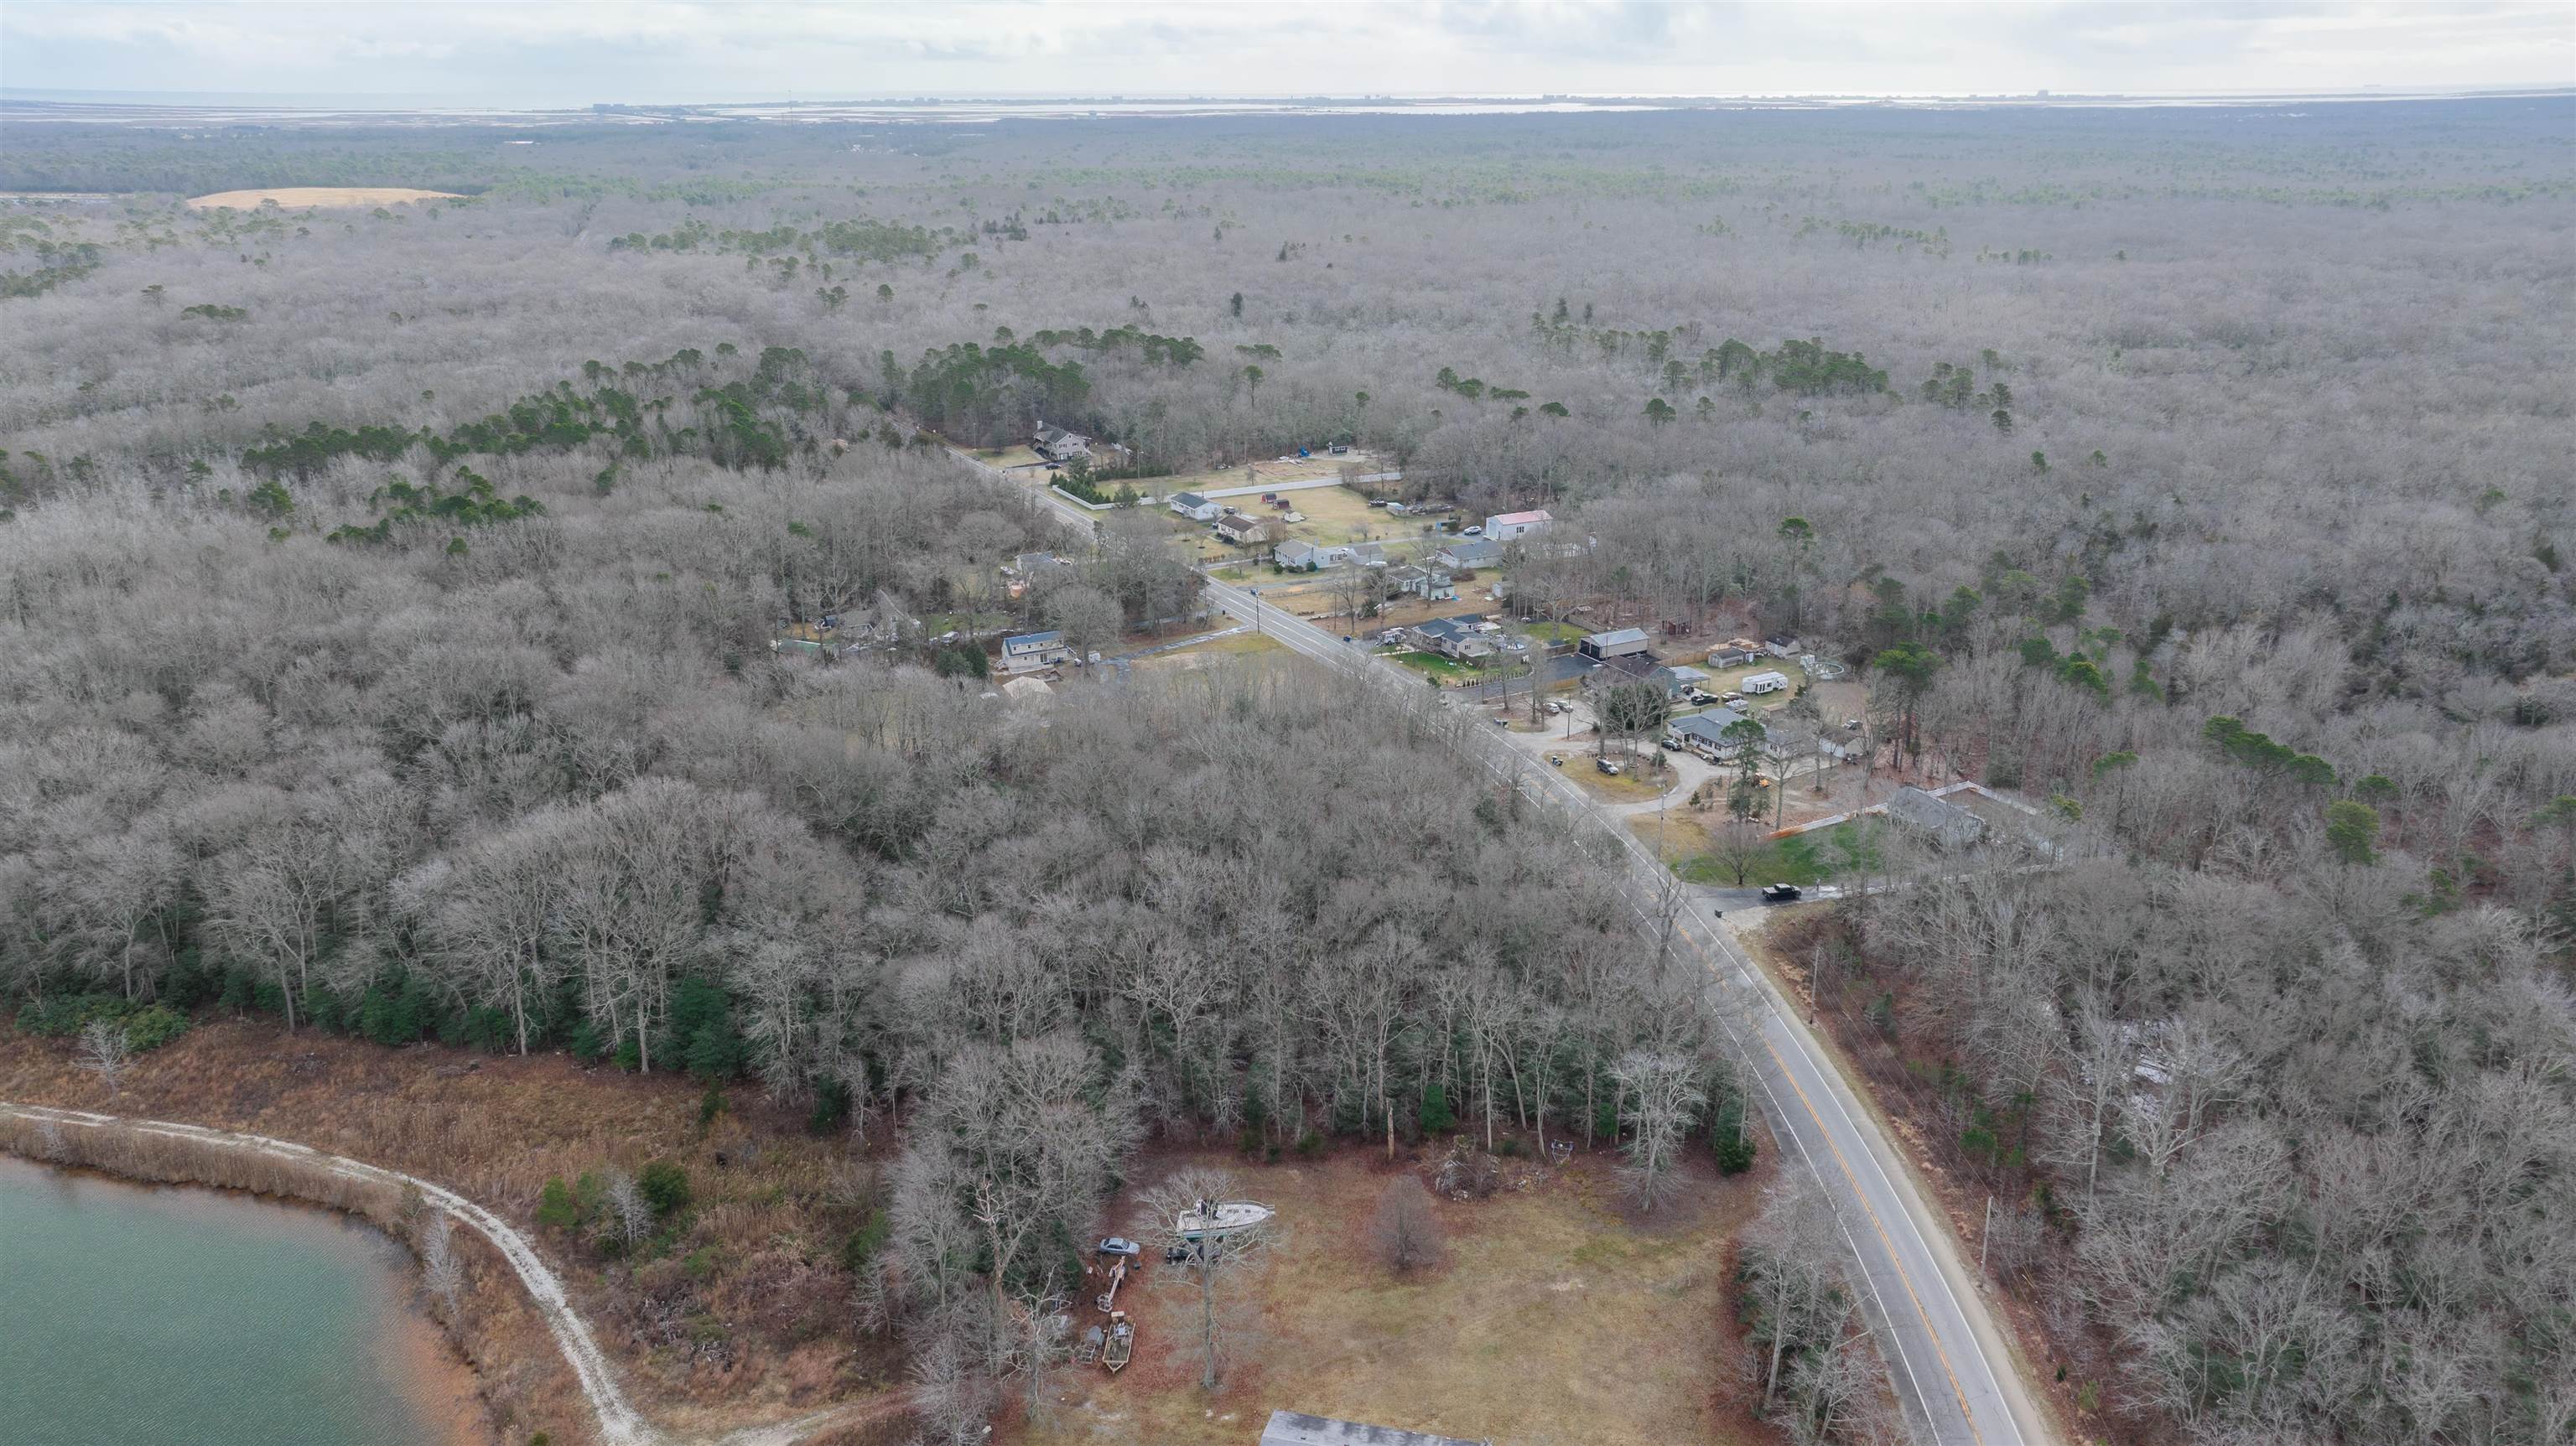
x=1802, y=858
x=1448, y=669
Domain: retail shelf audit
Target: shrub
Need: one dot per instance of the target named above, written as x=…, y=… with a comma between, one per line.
x=153, y=1027
x=665, y=1186
x=865, y=1242
x=147, y=1026
x=831, y=1107
x=555, y=1206
x=1405, y=1232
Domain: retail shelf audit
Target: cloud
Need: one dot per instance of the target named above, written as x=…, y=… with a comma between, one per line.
x=680, y=50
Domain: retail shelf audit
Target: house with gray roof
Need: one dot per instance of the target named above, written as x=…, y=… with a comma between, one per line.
x=1626, y=642
x=1943, y=822
x=1466, y=552
x=1058, y=445
x=1430, y=583
x=1705, y=733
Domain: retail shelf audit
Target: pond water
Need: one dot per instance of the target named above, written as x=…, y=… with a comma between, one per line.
x=137, y=1314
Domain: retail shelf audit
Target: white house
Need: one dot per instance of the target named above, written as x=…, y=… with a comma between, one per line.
x=1029, y=652
x=1194, y=507
x=1422, y=582
x=1765, y=683
x=1058, y=445
x=1509, y=526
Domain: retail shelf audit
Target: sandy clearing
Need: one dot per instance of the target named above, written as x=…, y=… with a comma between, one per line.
x=298, y=197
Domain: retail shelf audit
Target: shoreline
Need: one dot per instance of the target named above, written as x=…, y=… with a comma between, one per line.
x=423, y=1362
x=155, y=1153
x=506, y=1276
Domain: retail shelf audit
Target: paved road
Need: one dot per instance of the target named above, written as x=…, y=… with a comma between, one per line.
x=1951, y=1368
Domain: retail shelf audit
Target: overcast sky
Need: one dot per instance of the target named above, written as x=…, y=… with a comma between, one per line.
x=520, y=53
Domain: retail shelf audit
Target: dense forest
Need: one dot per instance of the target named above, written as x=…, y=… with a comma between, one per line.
x=389, y=593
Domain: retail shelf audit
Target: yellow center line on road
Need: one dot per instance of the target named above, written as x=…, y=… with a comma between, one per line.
x=1875, y=1223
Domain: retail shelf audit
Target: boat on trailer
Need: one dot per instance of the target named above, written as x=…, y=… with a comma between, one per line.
x=1220, y=1218
x=1121, y=1343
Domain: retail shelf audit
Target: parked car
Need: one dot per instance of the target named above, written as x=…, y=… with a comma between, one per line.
x=1730, y=697
x=1121, y=1245
x=1780, y=893
x=1475, y=530
x=1606, y=766
x=1701, y=697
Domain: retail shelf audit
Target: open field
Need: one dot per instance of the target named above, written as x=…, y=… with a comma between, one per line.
x=1635, y=782
x=298, y=197
x=1685, y=842
x=1269, y=470
x=1553, y=632
x=1200, y=655
x=1016, y=456
x=1557, y=1318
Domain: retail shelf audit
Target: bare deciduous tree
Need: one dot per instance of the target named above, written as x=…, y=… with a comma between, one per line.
x=1662, y=1098
x=1217, y=1267
x=627, y=1216
x=1405, y=1230
x=106, y=1051
x=442, y=1271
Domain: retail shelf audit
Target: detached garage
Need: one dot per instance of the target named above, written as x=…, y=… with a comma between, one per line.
x=1602, y=647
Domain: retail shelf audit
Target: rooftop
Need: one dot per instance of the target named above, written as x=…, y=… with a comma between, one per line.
x=1942, y=819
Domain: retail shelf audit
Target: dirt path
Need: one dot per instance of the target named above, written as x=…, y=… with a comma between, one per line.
x=619, y=1422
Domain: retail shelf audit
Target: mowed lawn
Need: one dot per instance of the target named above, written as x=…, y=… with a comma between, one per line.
x=1557, y=1318
x=1802, y=859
